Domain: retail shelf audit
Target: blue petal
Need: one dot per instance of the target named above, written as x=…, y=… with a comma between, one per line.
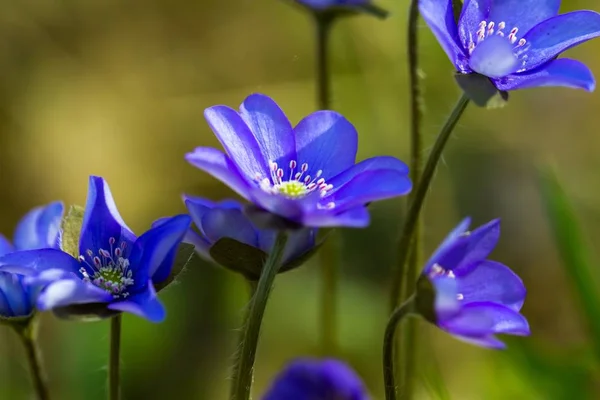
x=305, y=379
x=219, y=223
x=493, y=282
x=41, y=259
x=198, y=206
x=448, y=242
x=439, y=15
x=153, y=253
x=270, y=127
x=327, y=142
x=555, y=35
x=371, y=164
x=481, y=242
x=561, y=72
x=237, y=140
x=522, y=15
x=291, y=209
x=357, y=217
x=15, y=294
x=488, y=341
x=220, y=166
x=472, y=14
x=446, y=302
x=145, y=305
x=5, y=246
x=494, y=57
x=369, y=186
x=5, y=310
x=39, y=228
x=71, y=291
x=479, y=319
x=101, y=220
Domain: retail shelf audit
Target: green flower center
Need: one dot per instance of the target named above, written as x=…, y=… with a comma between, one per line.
x=293, y=189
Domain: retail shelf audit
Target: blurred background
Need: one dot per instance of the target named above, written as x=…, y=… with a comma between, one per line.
x=117, y=88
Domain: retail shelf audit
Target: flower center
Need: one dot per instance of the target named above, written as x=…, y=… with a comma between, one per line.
x=487, y=29
x=293, y=183
x=111, y=270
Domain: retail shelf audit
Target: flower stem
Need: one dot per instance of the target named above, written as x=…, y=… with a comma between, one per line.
x=323, y=23
x=329, y=254
x=398, y=274
x=388, y=346
x=406, y=350
x=114, y=384
x=27, y=333
x=244, y=364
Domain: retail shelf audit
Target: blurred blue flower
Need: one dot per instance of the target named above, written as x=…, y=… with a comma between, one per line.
x=309, y=379
x=39, y=228
x=514, y=43
x=114, y=268
x=226, y=220
x=306, y=174
x=325, y=4
x=333, y=7
x=475, y=298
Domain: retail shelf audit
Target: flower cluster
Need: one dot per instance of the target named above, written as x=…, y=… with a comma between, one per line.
x=297, y=181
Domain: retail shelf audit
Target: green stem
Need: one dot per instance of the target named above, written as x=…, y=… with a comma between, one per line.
x=398, y=274
x=329, y=253
x=235, y=373
x=114, y=385
x=27, y=333
x=323, y=23
x=244, y=365
x=407, y=348
x=388, y=347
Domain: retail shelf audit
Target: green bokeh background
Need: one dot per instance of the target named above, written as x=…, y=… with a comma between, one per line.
x=117, y=89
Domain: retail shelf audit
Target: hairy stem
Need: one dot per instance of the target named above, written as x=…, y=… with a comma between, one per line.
x=27, y=334
x=244, y=364
x=114, y=362
x=388, y=347
x=329, y=254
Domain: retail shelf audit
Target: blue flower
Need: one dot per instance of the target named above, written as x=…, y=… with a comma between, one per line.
x=115, y=269
x=39, y=228
x=513, y=42
x=309, y=379
x=225, y=219
x=306, y=174
x=475, y=298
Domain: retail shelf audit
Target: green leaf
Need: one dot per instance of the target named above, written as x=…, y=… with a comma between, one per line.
x=481, y=90
x=71, y=230
x=186, y=255
x=575, y=255
x=88, y=312
x=239, y=257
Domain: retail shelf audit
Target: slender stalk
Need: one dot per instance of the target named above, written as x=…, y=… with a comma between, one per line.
x=114, y=363
x=27, y=333
x=235, y=373
x=323, y=23
x=329, y=254
x=398, y=274
x=244, y=364
x=406, y=352
x=388, y=347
